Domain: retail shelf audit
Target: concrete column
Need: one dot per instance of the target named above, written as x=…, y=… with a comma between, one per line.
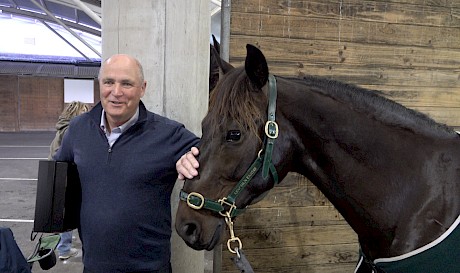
x=171, y=40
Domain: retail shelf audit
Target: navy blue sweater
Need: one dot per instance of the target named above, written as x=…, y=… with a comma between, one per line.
x=126, y=213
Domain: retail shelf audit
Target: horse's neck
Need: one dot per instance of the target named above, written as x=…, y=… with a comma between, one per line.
x=369, y=170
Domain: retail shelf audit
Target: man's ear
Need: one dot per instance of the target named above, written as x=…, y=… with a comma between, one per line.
x=143, y=87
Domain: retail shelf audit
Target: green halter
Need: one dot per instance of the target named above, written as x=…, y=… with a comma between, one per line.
x=226, y=205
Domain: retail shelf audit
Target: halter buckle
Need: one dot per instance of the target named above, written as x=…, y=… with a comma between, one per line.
x=196, y=195
x=271, y=129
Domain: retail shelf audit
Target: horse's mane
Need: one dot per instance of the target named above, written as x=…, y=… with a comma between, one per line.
x=372, y=101
x=235, y=99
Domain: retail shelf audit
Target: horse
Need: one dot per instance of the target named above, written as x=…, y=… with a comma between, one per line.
x=392, y=172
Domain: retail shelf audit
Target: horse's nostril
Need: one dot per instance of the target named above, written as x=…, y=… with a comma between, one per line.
x=190, y=229
x=191, y=232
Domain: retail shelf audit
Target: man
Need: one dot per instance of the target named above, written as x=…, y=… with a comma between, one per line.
x=126, y=159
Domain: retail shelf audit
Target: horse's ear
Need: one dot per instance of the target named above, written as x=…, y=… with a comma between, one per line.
x=256, y=66
x=216, y=44
x=224, y=67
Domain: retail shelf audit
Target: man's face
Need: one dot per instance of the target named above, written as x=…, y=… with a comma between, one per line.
x=121, y=89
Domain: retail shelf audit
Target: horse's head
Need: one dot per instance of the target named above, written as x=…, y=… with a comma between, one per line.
x=236, y=165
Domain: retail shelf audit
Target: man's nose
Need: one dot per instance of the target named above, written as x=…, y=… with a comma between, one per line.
x=117, y=90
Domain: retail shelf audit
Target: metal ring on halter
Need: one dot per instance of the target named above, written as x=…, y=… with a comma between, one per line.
x=197, y=195
x=230, y=241
x=232, y=206
x=260, y=153
x=267, y=133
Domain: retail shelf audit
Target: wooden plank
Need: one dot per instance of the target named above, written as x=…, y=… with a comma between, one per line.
x=298, y=190
x=388, y=11
x=338, y=30
x=294, y=196
x=328, y=54
x=360, y=73
x=420, y=95
x=288, y=216
x=304, y=256
x=367, y=76
x=268, y=236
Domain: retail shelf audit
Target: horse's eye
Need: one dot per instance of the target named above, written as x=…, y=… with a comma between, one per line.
x=233, y=135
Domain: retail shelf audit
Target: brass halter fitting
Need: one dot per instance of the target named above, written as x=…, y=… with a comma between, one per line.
x=224, y=203
x=197, y=195
x=233, y=238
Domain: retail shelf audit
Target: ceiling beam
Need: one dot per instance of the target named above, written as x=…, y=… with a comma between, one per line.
x=69, y=3
x=65, y=40
x=88, y=11
x=39, y=16
x=67, y=28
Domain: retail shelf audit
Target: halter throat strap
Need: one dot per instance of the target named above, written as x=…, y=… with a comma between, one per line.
x=271, y=130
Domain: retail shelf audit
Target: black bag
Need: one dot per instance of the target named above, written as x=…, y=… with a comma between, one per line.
x=57, y=207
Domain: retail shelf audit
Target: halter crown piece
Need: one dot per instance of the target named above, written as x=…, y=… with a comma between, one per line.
x=226, y=205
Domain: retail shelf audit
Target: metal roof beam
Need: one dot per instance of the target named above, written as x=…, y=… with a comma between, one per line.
x=34, y=15
x=88, y=11
x=65, y=40
x=69, y=3
x=66, y=27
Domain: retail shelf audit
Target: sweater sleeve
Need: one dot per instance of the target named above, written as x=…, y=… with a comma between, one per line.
x=184, y=140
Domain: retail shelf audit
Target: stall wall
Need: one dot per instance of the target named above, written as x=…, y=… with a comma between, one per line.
x=408, y=50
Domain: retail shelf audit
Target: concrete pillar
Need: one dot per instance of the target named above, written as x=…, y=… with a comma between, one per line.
x=171, y=39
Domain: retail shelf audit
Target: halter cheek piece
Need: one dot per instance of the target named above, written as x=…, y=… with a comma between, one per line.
x=226, y=205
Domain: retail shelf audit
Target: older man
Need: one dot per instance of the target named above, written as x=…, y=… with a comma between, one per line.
x=126, y=159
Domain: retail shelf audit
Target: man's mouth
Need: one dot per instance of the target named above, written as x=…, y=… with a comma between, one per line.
x=117, y=102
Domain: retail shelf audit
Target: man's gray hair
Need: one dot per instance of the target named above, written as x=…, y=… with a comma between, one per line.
x=139, y=66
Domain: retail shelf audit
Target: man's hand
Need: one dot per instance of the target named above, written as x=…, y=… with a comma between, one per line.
x=187, y=165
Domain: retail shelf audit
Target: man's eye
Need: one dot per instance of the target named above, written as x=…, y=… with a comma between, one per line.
x=233, y=135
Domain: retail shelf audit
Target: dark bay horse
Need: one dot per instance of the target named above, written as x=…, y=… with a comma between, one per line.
x=393, y=173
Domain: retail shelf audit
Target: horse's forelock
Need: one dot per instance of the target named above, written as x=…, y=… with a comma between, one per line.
x=234, y=98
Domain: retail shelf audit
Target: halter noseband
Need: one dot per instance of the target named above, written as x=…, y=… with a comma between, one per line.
x=226, y=205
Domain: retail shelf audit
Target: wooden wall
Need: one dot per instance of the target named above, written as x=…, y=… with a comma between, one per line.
x=408, y=49
x=32, y=103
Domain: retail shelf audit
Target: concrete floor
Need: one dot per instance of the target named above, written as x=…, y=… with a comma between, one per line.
x=19, y=156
